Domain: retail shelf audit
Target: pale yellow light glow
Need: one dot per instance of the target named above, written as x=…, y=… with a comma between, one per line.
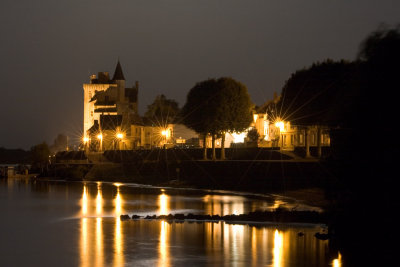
x=238, y=137
x=280, y=125
x=85, y=139
x=100, y=136
x=166, y=132
x=163, y=203
x=266, y=126
x=278, y=248
x=120, y=135
x=337, y=262
x=84, y=201
x=255, y=117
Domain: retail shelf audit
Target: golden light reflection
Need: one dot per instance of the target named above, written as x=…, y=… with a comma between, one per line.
x=278, y=248
x=118, y=244
x=84, y=243
x=163, y=204
x=254, y=245
x=99, y=200
x=99, y=242
x=163, y=248
x=84, y=201
x=223, y=205
x=118, y=203
x=337, y=262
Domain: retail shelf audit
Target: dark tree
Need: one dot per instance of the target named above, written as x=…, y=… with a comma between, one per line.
x=312, y=95
x=253, y=135
x=40, y=156
x=322, y=95
x=199, y=111
x=217, y=106
x=162, y=111
x=60, y=144
x=234, y=110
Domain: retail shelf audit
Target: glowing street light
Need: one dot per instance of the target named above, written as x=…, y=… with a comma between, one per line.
x=280, y=125
x=120, y=135
x=100, y=137
x=85, y=139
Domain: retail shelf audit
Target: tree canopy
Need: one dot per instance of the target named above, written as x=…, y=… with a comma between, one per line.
x=320, y=94
x=214, y=106
x=163, y=110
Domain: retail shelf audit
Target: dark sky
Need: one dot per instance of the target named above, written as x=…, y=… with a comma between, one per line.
x=49, y=48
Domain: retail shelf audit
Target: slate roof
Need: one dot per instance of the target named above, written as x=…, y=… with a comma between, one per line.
x=118, y=74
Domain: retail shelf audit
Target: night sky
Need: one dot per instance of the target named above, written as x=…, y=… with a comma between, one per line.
x=49, y=48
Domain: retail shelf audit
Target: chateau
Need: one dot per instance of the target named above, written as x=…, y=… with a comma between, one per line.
x=111, y=119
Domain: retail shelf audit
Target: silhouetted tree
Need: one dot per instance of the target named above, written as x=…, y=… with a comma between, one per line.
x=60, y=144
x=162, y=111
x=234, y=111
x=40, y=156
x=199, y=111
x=253, y=135
x=217, y=106
x=321, y=95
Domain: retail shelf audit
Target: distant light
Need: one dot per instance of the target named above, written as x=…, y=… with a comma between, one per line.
x=166, y=133
x=120, y=135
x=85, y=139
x=280, y=125
x=238, y=137
x=100, y=136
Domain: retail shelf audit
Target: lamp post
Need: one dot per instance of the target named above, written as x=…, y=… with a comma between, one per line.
x=100, y=137
x=120, y=136
x=86, y=143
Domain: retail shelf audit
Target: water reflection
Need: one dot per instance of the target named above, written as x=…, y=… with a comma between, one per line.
x=84, y=201
x=118, y=202
x=99, y=200
x=118, y=245
x=337, y=262
x=278, y=248
x=163, y=204
x=223, y=205
x=163, y=246
x=105, y=240
x=99, y=242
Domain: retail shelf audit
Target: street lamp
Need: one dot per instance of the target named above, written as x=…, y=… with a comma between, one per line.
x=120, y=136
x=100, y=137
x=86, y=142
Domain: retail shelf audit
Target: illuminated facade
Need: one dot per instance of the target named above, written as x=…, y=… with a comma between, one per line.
x=104, y=96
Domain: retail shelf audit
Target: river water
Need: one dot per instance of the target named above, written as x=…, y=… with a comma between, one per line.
x=56, y=223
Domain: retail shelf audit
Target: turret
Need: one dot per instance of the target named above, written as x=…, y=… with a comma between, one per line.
x=119, y=79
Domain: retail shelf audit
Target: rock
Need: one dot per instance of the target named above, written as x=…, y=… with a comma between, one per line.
x=124, y=217
x=135, y=217
x=321, y=236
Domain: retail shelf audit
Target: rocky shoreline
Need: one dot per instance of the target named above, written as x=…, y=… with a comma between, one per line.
x=277, y=216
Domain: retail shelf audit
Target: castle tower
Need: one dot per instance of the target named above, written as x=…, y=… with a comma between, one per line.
x=119, y=79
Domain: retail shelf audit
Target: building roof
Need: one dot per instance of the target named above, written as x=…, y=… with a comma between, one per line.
x=118, y=74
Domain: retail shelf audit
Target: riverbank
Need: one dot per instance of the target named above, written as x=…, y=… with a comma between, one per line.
x=303, y=180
